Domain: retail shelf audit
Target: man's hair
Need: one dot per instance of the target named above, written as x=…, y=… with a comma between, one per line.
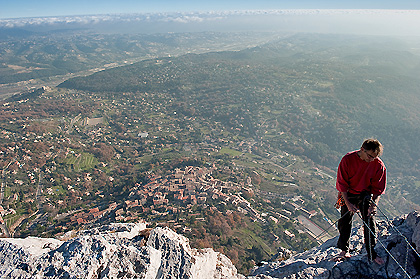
x=373, y=145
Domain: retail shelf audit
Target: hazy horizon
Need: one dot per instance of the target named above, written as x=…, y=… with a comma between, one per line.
x=344, y=21
x=43, y=8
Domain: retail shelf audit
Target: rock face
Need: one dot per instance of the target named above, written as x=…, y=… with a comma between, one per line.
x=318, y=262
x=114, y=251
x=133, y=251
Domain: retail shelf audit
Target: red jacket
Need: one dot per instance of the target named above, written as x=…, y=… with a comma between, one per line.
x=355, y=175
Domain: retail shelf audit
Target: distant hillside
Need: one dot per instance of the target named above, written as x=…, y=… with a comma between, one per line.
x=326, y=92
x=26, y=55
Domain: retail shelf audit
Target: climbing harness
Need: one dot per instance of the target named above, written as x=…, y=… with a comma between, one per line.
x=340, y=201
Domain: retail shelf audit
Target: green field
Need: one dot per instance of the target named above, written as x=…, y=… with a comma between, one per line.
x=81, y=161
x=230, y=152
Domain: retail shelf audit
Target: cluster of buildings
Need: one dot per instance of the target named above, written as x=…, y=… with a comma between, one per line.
x=188, y=187
x=180, y=192
x=172, y=194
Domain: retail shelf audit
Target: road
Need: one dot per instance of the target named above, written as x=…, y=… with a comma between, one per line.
x=3, y=226
x=41, y=216
x=3, y=182
x=2, y=192
x=39, y=191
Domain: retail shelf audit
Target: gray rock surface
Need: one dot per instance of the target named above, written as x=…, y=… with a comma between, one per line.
x=114, y=251
x=133, y=251
x=318, y=262
x=414, y=220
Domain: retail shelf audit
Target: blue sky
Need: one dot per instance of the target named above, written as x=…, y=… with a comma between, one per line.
x=41, y=8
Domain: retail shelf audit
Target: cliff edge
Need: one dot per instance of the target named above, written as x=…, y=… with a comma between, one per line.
x=319, y=262
x=134, y=251
x=112, y=251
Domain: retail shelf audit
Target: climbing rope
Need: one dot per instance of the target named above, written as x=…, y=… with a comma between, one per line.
x=340, y=202
x=383, y=246
x=360, y=269
x=368, y=248
x=370, y=242
x=326, y=230
x=406, y=257
x=370, y=274
x=405, y=239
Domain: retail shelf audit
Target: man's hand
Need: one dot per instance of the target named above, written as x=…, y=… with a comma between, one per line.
x=351, y=207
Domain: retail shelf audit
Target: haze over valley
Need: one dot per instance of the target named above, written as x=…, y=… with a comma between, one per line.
x=229, y=137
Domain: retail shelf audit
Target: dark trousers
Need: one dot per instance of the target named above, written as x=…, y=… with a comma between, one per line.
x=362, y=201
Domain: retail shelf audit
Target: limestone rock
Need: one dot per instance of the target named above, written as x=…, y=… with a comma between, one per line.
x=134, y=251
x=113, y=251
x=318, y=262
x=416, y=237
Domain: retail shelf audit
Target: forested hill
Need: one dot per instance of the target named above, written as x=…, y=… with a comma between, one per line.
x=317, y=96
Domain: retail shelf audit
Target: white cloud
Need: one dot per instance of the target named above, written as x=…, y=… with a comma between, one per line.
x=314, y=20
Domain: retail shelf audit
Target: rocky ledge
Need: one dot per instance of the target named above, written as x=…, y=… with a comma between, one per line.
x=113, y=251
x=133, y=251
x=319, y=262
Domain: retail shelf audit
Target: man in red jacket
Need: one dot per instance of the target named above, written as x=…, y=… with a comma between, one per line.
x=361, y=179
